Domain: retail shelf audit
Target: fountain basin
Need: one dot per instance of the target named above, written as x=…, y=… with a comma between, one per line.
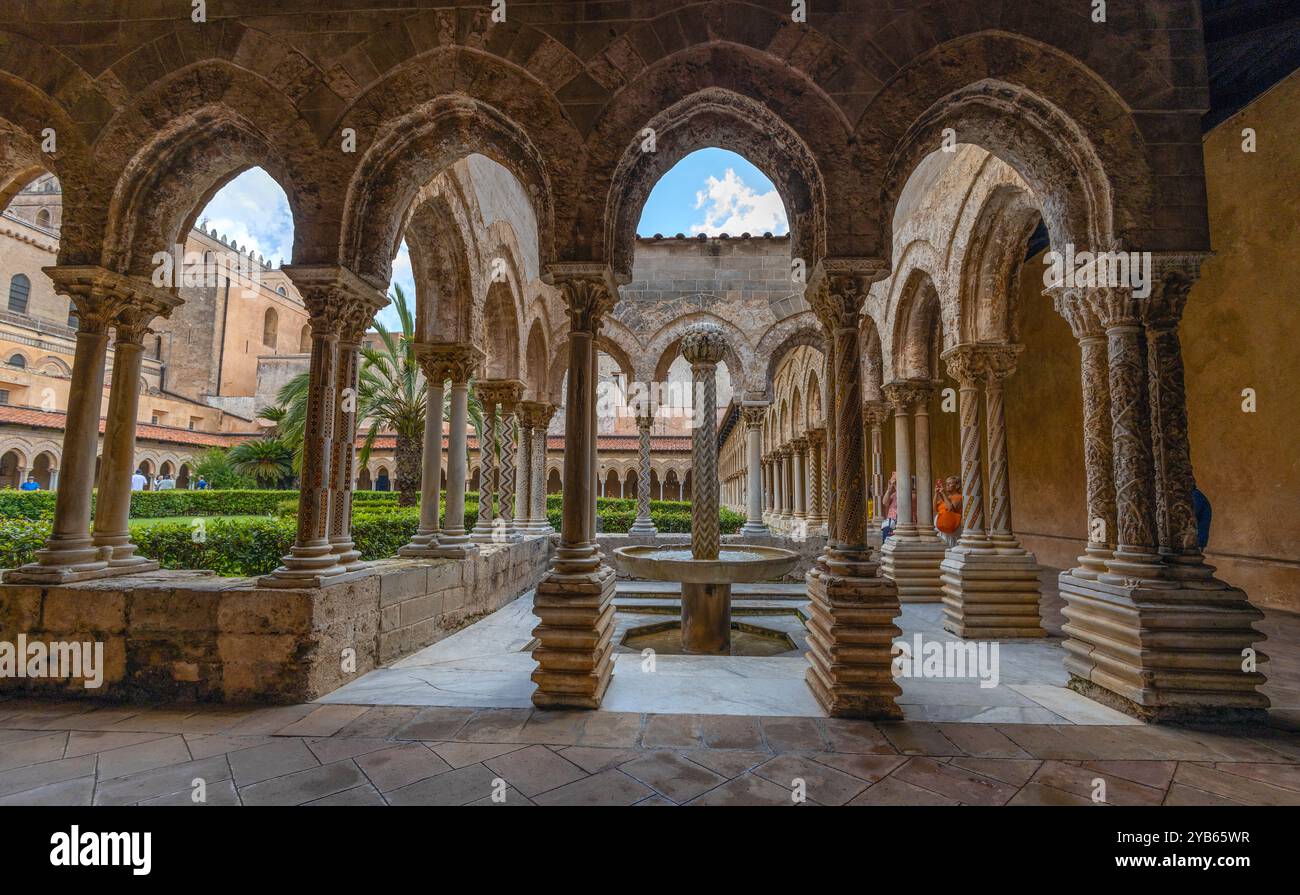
x=706, y=585
x=740, y=564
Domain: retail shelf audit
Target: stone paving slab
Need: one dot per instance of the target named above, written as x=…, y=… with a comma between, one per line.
x=364, y=755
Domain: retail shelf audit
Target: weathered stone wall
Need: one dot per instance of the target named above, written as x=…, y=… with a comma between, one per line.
x=192, y=636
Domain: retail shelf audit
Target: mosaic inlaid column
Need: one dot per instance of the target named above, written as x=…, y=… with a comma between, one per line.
x=523, y=476
x=817, y=479
x=851, y=626
x=575, y=599
x=487, y=467
x=534, y=417
x=459, y=363
x=644, y=524
x=503, y=395
x=362, y=305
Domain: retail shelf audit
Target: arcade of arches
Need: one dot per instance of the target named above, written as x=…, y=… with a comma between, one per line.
x=901, y=326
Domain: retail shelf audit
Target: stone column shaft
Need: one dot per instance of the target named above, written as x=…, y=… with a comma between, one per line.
x=343, y=450
x=425, y=540
x=644, y=524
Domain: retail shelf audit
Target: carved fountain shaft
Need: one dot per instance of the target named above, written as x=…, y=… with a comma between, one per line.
x=706, y=607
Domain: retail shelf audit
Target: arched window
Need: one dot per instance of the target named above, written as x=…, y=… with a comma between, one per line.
x=19, y=289
x=304, y=339
x=282, y=291
x=269, y=324
x=43, y=218
x=18, y=361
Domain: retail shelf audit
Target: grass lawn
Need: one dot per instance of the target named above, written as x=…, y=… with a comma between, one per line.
x=187, y=519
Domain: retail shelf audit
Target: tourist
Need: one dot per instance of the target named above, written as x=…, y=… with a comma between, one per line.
x=202, y=484
x=1201, y=507
x=31, y=484
x=891, y=507
x=138, y=481
x=947, y=521
x=165, y=483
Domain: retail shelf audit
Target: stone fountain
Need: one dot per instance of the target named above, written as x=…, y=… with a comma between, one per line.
x=707, y=570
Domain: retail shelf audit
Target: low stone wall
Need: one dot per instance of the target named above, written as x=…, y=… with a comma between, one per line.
x=192, y=636
x=808, y=548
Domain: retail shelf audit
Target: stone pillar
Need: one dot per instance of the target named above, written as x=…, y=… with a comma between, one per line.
x=487, y=467
x=1156, y=635
x=799, y=474
x=851, y=629
x=644, y=524
x=524, y=474
x=703, y=346
x=1098, y=456
x=911, y=557
x=363, y=303
x=311, y=562
x=875, y=413
x=534, y=417
x=575, y=599
x=117, y=464
x=425, y=540
x=458, y=363
x=100, y=296
x=817, y=480
x=501, y=395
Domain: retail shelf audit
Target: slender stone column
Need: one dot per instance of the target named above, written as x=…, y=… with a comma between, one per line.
x=703, y=346
x=100, y=296
x=362, y=305
x=523, y=478
x=487, y=468
x=1097, y=453
x=816, y=479
x=534, y=417
x=502, y=394
x=1002, y=363
x=644, y=524
x=425, y=540
x=911, y=557
x=799, y=471
x=458, y=362
x=113, y=508
x=851, y=629
x=968, y=365
x=875, y=413
x=575, y=599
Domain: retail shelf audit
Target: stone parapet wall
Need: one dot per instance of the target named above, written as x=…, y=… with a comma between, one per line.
x=191, y=636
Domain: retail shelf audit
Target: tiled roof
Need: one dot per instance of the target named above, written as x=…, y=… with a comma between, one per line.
x=26, y=416
x=658, y=443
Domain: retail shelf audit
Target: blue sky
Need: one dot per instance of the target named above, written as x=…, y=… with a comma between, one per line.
x=711, y=191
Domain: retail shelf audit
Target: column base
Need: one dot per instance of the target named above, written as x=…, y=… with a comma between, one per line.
x=534, y=527
x=309, y=567
x=575, y=653
x=1092, y=564
x=1164, y=654
x=423, y=546
x=62, y=562
x=454, y=546
x=850, y=636
x=349, y=557
x=644, y=527
x=755, y=529
x=991, y=596
x=911, y=561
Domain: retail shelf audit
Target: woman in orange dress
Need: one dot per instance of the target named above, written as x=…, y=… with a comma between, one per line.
x=947, y=521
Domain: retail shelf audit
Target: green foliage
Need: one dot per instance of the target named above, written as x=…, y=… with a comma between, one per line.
x=20, y=539
x=216, y=467
x=26, y=505
x=268, y=461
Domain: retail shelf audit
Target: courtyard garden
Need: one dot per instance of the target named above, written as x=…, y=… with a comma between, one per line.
x=240, y=533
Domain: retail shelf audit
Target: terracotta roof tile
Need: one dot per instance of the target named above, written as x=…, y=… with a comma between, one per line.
x=26, y=416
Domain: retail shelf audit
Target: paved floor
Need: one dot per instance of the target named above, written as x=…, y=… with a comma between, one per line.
x=74, y=754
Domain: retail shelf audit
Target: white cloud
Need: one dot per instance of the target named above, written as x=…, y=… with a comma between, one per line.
x=732, y=207
x=252, y=211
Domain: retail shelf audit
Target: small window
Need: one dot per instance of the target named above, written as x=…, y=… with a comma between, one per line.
x=282, y=291
x=154, y=419
x=4, y=396
x=18, y=361
x=19, y=289
x=43, y=218
x=269, y=325
x=73, y=321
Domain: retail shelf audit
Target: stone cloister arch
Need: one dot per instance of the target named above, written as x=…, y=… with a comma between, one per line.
x=1099, y=124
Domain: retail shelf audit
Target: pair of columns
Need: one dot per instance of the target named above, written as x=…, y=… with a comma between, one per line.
x=439, y=534
x=991, y=587
x=105, y=300
x=874, y=415
x=752, y=416
x=498, y=455
x=911, y=557
x=1150, y=629
x=341, y=306
x=645, y=419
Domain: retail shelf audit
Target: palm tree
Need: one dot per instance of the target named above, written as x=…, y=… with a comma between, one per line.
x=391, y=395
x=268, y=461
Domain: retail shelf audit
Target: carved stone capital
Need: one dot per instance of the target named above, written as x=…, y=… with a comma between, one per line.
x=799, y=445
x=448, y=360
x=704, y=345
x=907, y=395
x=968, y=364
x=754, y=415
x=504, y=392
x=535, y=414
x=839, y=287
x=1001, y=360
x=105, y=298
x=338, y=301
x=1072, y=304
x=1172, y=278
x=816, y=437
x=588, y=290
x=875, y=413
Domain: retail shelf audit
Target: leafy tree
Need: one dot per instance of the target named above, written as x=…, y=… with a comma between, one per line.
x=268, y=461
x=216, y=467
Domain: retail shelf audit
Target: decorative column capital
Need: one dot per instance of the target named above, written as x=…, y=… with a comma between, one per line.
x=589, y=292
x=754, y=415
x=874, y=413
x=338, y=301
x=816, y=437
x=505, y=392
x=799, y=446
x=1172, y=278
x=535, y=414
x=105, y=298
x=968, y=364
x=838, y=289
x=704, y=345
x=1002, y=361
x=1072, y=304
x=448, y=360
x=906, y=395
